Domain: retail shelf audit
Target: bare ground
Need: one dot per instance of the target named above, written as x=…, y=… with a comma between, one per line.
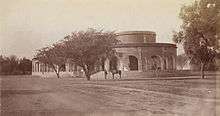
x=34, y=96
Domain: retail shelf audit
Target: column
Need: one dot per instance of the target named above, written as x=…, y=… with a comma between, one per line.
x=38, y=67
x=38, y=64
x=67, y=67
x=167, y=64
x=139, y=59
x=33, y=66
x=174, y=62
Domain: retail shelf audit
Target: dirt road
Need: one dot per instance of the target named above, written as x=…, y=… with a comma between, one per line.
x=33, y=96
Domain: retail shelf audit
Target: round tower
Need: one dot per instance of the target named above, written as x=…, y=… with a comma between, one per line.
x=137, y=37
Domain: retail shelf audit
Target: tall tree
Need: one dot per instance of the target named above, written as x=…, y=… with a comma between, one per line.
x=198, y=33
x=53, y=56
x=9, y=65
x=13, y=64
x=85, y=48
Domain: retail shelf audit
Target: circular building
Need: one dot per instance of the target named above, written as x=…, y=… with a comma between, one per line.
x=138, y=51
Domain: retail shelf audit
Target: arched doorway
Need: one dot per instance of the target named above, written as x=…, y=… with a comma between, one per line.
x=113, y=63
x=133, y=63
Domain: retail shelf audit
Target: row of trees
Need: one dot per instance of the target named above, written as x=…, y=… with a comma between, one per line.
x=12, y=65
x=199, y=32
x=84, y=48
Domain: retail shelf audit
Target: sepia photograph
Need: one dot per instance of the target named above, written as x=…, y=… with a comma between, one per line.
x=110, y=57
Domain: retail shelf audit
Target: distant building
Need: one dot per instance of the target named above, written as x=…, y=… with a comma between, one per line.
x=137, y=51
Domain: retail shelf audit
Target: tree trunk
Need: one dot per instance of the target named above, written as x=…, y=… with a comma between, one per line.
x=88, y=77
x=87, y=72
x=56, y=71
x=58, y=74
x=202, y=70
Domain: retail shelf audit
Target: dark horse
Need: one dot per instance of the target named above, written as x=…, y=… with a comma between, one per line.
x=113, y=73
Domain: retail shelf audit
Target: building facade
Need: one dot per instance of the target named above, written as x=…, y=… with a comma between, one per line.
x=136, y=51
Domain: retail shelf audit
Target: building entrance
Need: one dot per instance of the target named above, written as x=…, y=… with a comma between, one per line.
x=133, y=63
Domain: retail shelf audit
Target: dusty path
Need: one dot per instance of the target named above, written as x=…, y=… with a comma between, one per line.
x=51, y=96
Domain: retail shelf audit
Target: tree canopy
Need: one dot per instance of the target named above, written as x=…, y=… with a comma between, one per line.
x=25, y=65
x=87, y=48
x=53, y=56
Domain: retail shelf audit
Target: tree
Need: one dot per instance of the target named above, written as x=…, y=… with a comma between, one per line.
x=198, y=33
x=11, y=64
x=25, y=65
x=53, y=56
x=2, y=60
x=86, y=48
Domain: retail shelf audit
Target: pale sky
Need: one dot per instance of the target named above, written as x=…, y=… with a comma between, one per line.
x=27, y=25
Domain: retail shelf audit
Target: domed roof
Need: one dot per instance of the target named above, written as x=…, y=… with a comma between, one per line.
x=137, y=36
x=136, y=32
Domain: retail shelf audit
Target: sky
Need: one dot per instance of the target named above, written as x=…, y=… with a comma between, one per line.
x=28, y=25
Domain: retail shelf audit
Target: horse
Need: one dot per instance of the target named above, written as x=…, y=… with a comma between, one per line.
x=113, y=73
